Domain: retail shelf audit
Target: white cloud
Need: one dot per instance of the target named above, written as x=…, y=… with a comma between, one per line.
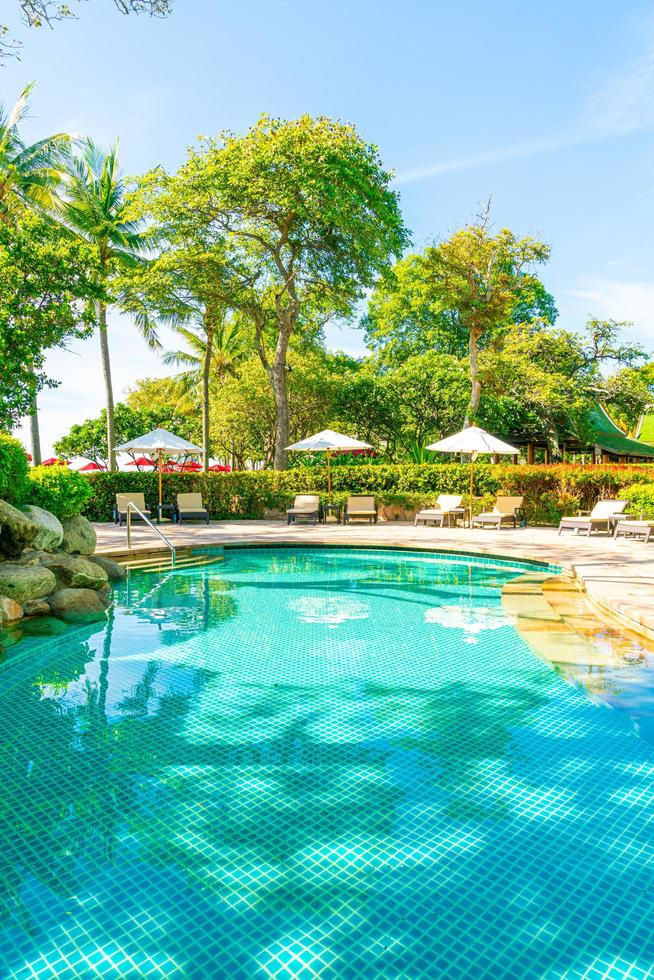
x=623, y=104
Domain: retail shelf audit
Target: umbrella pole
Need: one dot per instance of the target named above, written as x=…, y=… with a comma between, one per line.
x=472, y=470
x=329, y=478
x=160, y=482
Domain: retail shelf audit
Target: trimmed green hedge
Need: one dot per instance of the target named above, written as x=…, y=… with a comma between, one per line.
x=549, y=491
x=62, y=491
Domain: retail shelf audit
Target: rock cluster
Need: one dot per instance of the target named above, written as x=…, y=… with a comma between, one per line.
x=47, y=567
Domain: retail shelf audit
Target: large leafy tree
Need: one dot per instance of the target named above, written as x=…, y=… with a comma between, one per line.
x=47, y=280
x=545, y=383
x=459, y=296
x=304, y=212
x=96, y=209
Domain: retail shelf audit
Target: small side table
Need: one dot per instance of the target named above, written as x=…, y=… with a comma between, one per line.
x=329, y=509
x=166, y=509
x=459, y=514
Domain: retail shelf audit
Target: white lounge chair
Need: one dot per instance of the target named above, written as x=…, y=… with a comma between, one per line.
x=190, y=507
x=447, y=504
x=634, y=529
x=122, y=500
x=599, y=518
x=507, y=510
x=360, y=508
x=306, y=505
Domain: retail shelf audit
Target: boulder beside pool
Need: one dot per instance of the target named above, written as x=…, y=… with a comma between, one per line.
x=25, y=582
x=17, y=531
x=77, y=605
x=115, y=572
x=10, y=611
x=76, y=572
x=50, y=532
x=79, y=536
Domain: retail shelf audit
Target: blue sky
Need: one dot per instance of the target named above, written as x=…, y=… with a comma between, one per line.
x=548, y=108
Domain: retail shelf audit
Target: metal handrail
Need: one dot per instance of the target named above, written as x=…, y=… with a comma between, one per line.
x=132, y=506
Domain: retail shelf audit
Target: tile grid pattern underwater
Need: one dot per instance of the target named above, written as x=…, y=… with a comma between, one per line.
x=315, y=763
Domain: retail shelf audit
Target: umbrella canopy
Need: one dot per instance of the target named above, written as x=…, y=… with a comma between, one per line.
x=328, y=441
x=141, y=461
x=474, y=441
x=90, y=468
x=160, y=442
x=219, y=468
x=189, y=467
x=53, y=461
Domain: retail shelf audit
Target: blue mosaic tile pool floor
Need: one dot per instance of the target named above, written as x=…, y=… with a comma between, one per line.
x=302, y=764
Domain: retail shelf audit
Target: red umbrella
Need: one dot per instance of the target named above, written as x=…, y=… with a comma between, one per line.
x=190, y=467
x=53, y=461
x=91, y=467
x=217, y=468
x=142, y=461
x=29, y=457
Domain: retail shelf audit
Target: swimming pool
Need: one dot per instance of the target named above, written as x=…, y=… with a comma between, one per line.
x=317, y=763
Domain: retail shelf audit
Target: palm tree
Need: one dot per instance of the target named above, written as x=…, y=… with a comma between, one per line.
x=96, y=209
x=30, y=177
x=216, y=346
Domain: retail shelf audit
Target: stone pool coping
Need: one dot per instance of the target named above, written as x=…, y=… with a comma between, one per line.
x=618, y=576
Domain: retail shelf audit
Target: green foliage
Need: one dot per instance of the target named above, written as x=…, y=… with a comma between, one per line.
x=45, y=285
x=13, y=470
x=549, y=491
x=641, y=498
x=62, y=491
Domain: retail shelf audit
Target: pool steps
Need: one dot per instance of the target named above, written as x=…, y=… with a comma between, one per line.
x=162, y=562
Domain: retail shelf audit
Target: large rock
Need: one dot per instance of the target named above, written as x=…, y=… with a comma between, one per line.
x=32, y=556
x=50, y=532
x=10, y=610
x=77, y=605
x=25, y=582
x=115, y=572
x=79, y=536
x=17, y=531
x=36, y=607
x=77, y=573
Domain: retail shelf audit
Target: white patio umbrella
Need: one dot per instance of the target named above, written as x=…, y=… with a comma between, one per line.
x=473, y=440
x=161, y=442
x=328, y=441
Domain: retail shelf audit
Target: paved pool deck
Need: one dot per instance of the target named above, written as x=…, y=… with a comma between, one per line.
x=617, y=575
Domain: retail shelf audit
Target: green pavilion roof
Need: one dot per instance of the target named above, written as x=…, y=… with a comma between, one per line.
x=610, y=437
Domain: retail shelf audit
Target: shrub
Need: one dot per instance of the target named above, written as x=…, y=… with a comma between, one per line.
x=13, y=470
x=549, y=491
x=61, y=491
x=641, y=498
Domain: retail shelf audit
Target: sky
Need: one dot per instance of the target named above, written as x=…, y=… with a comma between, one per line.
x=546, y=108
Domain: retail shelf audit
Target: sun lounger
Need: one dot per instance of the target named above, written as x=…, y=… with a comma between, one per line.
x=361, y=509
x=634, y=529
x=599, y=518
x=507, y=510
x=447, y=505
x=190, y=507
x=122, y=500
x=306, y=505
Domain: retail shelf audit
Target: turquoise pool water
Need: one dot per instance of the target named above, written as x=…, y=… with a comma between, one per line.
x=304, y=763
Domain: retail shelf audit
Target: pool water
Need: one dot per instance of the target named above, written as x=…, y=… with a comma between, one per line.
x=307, y=763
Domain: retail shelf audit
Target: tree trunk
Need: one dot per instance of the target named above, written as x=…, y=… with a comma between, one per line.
x=106, y=373
x=35, y=435
x=278, y=378
x=206, y=371
x=475, y=392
